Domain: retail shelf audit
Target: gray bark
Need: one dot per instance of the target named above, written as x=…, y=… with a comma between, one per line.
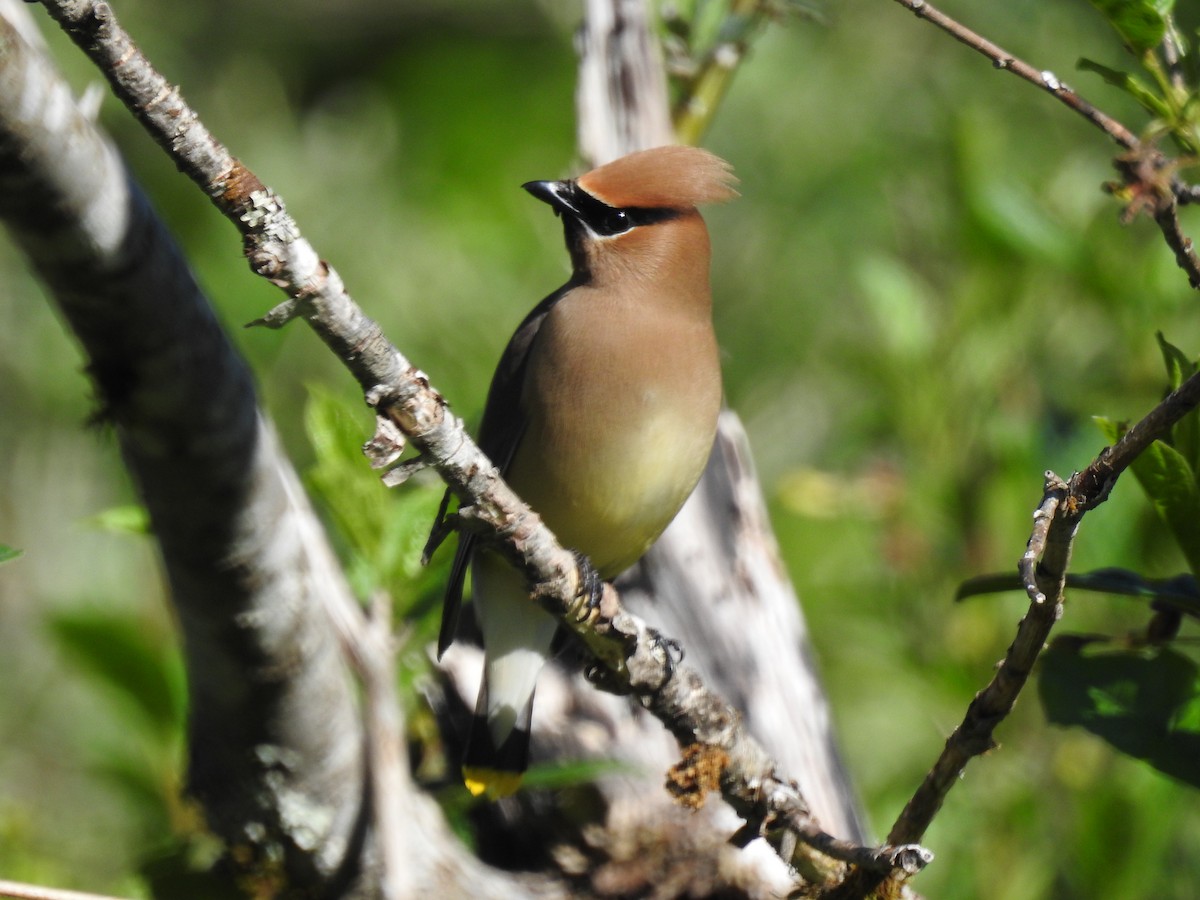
x=274, y=739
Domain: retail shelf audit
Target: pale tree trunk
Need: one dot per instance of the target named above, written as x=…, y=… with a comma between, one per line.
x=714, y=581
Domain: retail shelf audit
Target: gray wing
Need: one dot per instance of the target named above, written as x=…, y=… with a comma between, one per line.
x=500, y=434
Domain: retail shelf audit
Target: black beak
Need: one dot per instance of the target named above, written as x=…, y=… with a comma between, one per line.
x=559, y=194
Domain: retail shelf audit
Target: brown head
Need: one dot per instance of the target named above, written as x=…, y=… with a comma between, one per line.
x=636, y=216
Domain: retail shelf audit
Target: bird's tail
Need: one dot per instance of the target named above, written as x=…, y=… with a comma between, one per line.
x=517, y=635
x=493, y=764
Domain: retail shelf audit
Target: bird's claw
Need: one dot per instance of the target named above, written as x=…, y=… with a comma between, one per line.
x=586, y=606
x=670, y=648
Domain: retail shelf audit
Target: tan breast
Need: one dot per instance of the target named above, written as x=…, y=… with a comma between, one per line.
x=609, y=472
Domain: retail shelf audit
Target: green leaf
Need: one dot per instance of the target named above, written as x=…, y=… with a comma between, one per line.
x=1185, y=436
x=1170, y=483
x=572, y=773
x=1144, y=95
x=8, y=554
x=1180, y=591
x=1141, y=24
x=1144, y=704
x=900, y=303
x=185, y=867
x=141, y=784
x=992, y=583
x=340, y=476
x=1112, y=430
x=456, y=803
x=144, y=674
x=1179, y=367
x=1017, y=219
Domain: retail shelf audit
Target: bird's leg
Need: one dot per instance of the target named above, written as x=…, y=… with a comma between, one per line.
x=586, y=608
x=586, y=605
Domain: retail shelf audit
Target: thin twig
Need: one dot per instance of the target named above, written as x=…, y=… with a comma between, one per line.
x=1002, y=59
x=1181, y=245
x=1149, y=184
x=1165, y=209
x=973, y=736
x=1186, y=193
x=1090, y=487
x=1043, y=567
x=632, y=651
x=1043, y=570
x=1042, y=517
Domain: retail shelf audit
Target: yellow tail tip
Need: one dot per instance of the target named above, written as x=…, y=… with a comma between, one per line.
x=494, y=783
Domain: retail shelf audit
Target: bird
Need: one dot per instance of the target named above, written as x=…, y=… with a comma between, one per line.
x=601, y=415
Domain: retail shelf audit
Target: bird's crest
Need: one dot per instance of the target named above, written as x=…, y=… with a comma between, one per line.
x=664, y=177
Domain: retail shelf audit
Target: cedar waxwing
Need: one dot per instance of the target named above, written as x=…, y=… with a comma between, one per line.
x=601, y=414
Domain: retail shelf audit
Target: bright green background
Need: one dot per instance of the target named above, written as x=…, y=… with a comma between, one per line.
x=922, y=296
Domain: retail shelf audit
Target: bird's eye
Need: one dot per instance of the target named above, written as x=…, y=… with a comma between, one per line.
x=617, y=221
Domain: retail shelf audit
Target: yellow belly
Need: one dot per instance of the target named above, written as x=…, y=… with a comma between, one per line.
x=612, y=500
x=610, y=477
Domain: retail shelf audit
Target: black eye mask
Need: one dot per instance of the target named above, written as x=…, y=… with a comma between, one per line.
x=602, y=220
x=606, y=221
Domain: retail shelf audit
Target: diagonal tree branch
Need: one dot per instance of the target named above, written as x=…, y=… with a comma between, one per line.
x=991, y=706
x=1044, y=565
x=634, y=654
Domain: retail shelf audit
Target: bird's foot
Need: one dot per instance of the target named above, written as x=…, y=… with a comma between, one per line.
x=586, y=606
x=670, y=649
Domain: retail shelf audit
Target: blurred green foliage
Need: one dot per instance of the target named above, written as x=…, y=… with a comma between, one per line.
x=1145, y=702
x=1167, y=469
x=923, y=297
x=379, y=535
x=1141, y=24
x=1148, y=31
x=1138, y=693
